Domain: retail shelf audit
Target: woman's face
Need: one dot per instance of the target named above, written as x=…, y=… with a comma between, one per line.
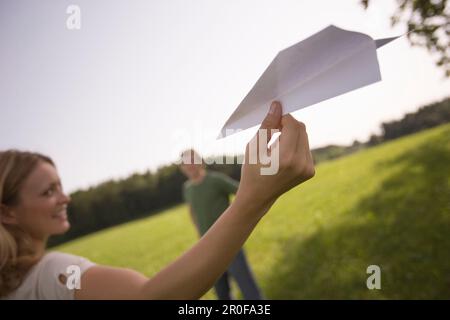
x=42, y=207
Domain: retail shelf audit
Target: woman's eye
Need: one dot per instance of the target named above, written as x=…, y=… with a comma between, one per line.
x=49, y=192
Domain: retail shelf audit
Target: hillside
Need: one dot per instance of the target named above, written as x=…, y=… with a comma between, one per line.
x=388, y=205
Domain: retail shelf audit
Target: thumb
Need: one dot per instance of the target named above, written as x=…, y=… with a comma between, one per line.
x=272, y=119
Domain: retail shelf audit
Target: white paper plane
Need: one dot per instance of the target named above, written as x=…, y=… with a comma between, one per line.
x=327, y=64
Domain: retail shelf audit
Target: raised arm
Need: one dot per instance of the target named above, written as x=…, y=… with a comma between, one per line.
x=191, y=275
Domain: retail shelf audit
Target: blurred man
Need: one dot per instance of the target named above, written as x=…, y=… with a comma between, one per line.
x=207, y=194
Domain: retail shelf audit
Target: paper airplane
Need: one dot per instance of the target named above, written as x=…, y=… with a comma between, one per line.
x=327, y=64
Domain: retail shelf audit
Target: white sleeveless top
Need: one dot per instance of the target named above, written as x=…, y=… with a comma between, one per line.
x=42, y=281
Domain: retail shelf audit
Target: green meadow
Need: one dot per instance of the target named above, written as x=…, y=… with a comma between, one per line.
x=388, y=206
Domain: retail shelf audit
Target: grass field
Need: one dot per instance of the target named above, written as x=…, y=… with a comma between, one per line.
x=388, y=205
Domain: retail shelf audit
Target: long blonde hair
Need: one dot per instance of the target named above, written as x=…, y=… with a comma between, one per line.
x=17, y=253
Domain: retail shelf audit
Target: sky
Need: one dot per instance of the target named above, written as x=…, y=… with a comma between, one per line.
x=142, y=80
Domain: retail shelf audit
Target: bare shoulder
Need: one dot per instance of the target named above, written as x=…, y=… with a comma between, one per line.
x=105, y=282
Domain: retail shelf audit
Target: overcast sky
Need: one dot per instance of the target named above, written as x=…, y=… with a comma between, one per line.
x=115, y=97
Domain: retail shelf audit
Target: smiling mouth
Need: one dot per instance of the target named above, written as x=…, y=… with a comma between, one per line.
x=61, y=215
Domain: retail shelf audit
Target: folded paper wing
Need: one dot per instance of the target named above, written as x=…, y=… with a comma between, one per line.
x=327, y=64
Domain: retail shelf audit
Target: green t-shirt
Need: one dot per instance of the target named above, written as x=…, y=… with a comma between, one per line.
x=210, y=198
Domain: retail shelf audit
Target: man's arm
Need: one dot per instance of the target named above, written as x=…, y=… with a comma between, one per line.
x=194, y=219
x=228, y=184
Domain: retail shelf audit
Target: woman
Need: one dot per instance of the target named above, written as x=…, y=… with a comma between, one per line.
x=33, y=207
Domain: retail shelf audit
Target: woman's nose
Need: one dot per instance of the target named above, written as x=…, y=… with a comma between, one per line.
x=65, y=198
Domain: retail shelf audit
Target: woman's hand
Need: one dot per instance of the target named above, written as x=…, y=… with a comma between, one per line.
x=291, y=150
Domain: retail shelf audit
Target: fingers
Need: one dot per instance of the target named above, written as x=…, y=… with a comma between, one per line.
x=294, y=147
x=289, y=137
x=272, y=119
x=306, y=162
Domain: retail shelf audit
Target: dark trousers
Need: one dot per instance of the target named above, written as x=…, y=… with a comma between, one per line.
x=240, y=271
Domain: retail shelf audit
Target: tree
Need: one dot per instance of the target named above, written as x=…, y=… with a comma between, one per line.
x=428, y=23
